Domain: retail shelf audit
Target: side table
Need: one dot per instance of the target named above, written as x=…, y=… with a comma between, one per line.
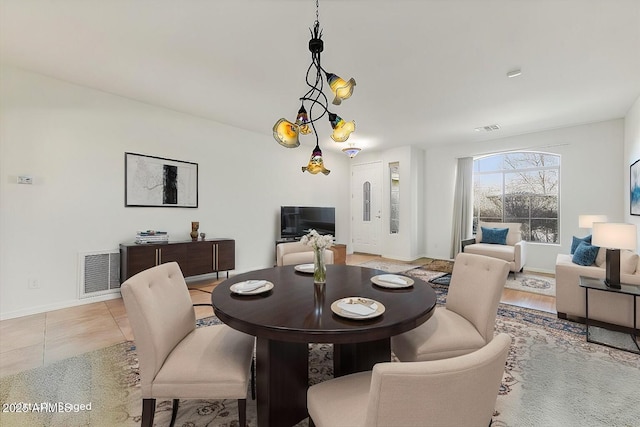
x=339, y=253
x=589, y=283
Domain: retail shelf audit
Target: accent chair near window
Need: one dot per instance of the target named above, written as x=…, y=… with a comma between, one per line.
x=512, y=249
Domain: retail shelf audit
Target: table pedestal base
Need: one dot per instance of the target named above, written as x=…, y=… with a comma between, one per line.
x=282, y=370
x=282, y=375
x=359, y=357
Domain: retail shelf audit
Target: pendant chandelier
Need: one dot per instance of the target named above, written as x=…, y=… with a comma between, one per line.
x=287, y=133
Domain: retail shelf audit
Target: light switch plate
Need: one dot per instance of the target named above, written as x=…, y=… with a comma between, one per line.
x=25, y=179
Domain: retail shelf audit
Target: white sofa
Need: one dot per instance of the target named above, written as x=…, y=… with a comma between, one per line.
x=514, y=252
x=606, y=307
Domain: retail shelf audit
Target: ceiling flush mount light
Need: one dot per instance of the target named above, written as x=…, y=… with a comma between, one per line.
x=351, y=151
x=317, y=103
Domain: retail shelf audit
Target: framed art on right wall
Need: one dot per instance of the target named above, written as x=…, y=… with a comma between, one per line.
x=634, y=188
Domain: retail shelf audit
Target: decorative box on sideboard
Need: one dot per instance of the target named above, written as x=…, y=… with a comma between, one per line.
x=193, y=257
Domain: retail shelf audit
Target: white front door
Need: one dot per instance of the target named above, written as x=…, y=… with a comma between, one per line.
x=366, y=207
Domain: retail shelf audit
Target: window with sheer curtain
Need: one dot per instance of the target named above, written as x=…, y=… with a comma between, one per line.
x=519, y=187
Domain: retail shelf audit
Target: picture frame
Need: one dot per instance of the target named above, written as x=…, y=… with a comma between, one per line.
x=634, y=188
x=152, y=181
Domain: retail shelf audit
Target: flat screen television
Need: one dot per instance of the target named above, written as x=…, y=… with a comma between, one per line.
x=296, y=221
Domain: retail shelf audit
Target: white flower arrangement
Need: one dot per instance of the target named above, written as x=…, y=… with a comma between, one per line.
x=317, y=241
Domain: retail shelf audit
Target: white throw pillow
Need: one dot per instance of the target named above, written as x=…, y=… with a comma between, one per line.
x=602, y=257
x=628, y=262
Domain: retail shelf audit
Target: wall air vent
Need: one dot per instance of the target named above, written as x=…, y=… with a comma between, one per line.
x=99, y=273
x=488, y=128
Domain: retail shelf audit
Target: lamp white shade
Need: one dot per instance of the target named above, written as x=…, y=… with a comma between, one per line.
x=586, y=221
x=614, y=235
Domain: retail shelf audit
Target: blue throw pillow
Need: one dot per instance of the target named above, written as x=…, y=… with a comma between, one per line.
x=585, y=254
x=497, y=236
x=577, y=240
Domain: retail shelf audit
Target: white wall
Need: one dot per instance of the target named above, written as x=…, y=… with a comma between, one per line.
x=72, y=141
x=591, y=158
x=631, y=154
x=408, y=243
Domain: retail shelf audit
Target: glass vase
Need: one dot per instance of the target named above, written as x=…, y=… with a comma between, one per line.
x=319, y=267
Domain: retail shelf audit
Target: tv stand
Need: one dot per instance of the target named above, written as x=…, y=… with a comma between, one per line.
x=288, y=239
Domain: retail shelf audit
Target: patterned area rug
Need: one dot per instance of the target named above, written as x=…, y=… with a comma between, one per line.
x=531, y=282
x=428, y=275
x=390, y=266
x=527, y=282
x=553, y=377
x=441, y=265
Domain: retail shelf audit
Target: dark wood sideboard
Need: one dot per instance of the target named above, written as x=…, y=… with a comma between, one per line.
x=194, y=257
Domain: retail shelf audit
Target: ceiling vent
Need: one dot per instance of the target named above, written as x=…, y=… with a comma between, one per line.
x=489, y=128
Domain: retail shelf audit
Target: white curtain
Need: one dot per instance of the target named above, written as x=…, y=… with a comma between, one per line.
x=462, y=205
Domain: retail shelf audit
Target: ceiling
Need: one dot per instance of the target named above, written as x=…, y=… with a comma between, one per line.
x=428, y=72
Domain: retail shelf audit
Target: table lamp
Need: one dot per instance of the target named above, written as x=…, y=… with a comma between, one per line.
x=614, y=236
x=586, y=221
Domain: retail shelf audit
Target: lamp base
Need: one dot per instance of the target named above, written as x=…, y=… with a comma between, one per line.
x=612, y=285
x=613, y=269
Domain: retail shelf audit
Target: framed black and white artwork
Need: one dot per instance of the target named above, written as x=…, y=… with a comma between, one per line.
x=158, y=182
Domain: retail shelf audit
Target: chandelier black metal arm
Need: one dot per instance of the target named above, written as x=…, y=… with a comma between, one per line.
x=287, y=133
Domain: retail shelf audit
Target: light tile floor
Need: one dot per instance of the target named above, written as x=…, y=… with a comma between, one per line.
x=32, y=341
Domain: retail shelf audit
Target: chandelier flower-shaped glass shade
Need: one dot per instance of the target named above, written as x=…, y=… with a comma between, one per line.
x=286, y=133
x=303, y=121
x=340, y=88
x=341, y=129
x=316, y=164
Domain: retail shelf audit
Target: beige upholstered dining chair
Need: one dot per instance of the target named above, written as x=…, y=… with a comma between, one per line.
x=178, y=360
x=290, y=253
x=456, y=392
x=466, y=322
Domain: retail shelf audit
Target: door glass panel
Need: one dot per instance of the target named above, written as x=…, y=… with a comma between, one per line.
x=394, y=187
x=366, y=201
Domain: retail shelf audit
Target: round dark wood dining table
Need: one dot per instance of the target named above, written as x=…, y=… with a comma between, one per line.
x=297, y=312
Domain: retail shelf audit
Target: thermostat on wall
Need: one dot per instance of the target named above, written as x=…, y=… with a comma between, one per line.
x=25, y=179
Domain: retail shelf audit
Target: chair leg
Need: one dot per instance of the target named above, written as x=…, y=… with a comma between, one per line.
x=174, y=411
x=311, y=424
x=148, y=411
x=253, y=379
x=242, y=412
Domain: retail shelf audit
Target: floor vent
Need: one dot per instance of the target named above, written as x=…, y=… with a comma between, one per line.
x=99, y=273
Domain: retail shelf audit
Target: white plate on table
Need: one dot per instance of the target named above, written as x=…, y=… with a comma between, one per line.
x=251, y=287
x=392, y=281
x=357, y=308
x=304, y=268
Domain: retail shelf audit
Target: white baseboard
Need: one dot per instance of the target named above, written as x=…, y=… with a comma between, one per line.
x=57, y=306
x=540, y=270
